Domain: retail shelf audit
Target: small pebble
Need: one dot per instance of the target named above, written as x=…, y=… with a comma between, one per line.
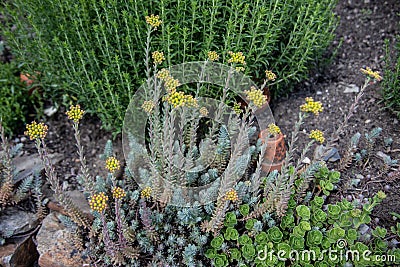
x=387, y=188
x=376, y=220
x=367, y=121
x=359, y=176
x=349, y=198
x=17, y=140
x=23, y=139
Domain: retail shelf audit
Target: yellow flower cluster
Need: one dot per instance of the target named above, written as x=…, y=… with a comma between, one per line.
x=239, y=69
x=256, y=96
x=373, y=74
x=237, y=108
x=36, y=130
x=146, y=192
x=274, y=129
x=163, y=74
x=179, y=99
x=203, y=111
x=317, y=135
x=237, y=57
x=212, y=56
x=171, y=84
x=75, y=113
x=312, y=106
x=176, y=99
x=158, y=57
x=231, y=195
x=98, y=202
x=148, y=106
x=270, y=75
x=118, y=193
x=112, y=164
x=153, y=20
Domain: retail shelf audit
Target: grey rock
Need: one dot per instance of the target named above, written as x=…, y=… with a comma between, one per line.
x=14, y=221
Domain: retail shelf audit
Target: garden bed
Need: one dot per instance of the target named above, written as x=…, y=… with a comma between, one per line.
x=363, y=27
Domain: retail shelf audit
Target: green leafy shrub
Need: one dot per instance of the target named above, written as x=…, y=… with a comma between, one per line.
x=391, y=79
x=16, y=100
x=92, y=50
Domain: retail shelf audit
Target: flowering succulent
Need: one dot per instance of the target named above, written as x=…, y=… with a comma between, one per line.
x=317, y=135
x=237, y=108
x=158, y=57
x=148, y=106
x=176, y=99
x=274, y=129
x=98, y=202
x=163, y=74
x=75, y=113
x=373, y=74
x=112, y=164
x=312, y=106
x=237, y=57
x=212, y=56
x=231, y=195
x=239, y=69
x=118, y=193
x=256, y=96
x=36, y=130
x=190, y=101
x=171, y=84
x=203, y=111
x=146, y=192
x=270, y=75
x=154, y=21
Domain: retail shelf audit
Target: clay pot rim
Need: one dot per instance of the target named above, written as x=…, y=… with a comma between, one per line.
x=272, y=138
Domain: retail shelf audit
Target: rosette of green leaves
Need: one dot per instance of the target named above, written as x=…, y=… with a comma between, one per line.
x=326, y=179
x=235, y=254
x=333, y=213
x=318, y=217
x=287, y=221
x=274, y=234
x=244, y=209
x=221, y=260
x=335, y=234
x=296, y=242
x=317, y=202
x=303, y=212
x=250, y=224
x=231, y=234
x=314, y=238
x=248, y=251
x=230, y=219
x=244, y=240
x=217, y=242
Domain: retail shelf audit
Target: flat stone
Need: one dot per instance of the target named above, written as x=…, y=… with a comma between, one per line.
x=27, y=165
x=55, y=246
x=351, y=88
x=14, y=221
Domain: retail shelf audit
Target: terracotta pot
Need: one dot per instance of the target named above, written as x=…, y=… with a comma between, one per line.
x=275, y=151
x=29, y=80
